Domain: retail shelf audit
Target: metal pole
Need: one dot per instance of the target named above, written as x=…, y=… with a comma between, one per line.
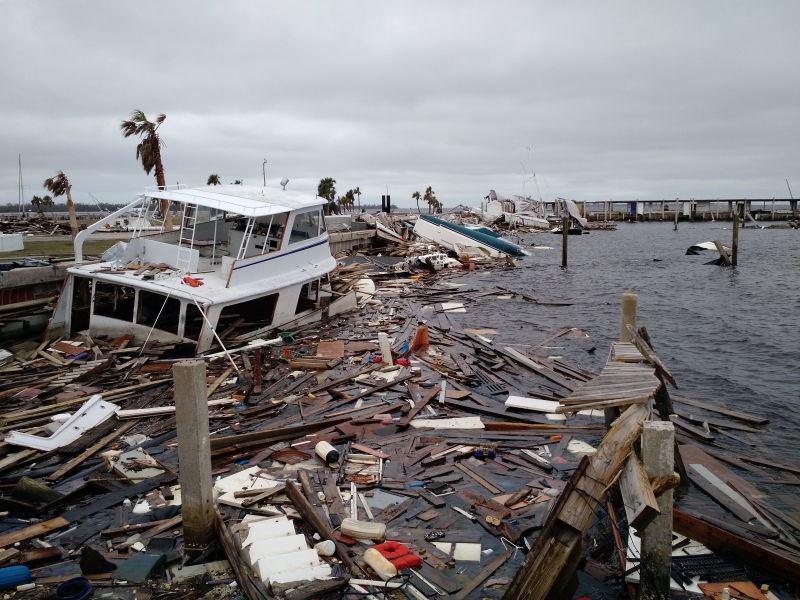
x=564, y=236
x=264, y=171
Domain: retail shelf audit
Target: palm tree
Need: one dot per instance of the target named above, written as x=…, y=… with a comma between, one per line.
x=59, y=186
x=357, y=192
x=213, y=180
x=36, y=202
x=350, y=199
x=237, y=182
x=149, y=151
x=429, y=198
x=327, y=189
x=416, y=196
x=47, y=202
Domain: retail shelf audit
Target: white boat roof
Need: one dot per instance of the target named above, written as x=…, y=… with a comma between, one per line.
x=245, y=200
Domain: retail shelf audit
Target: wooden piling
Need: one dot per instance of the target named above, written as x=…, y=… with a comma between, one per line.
x=194, y=454
x=564, y=237
x=735, y=241
x=658, y=440
x=628, y=317
x=675, y=228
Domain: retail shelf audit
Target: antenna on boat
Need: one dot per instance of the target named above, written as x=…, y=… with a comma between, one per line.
x=284, y=181
x=264, y=171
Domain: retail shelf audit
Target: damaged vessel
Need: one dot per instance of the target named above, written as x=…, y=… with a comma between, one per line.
x=243, y=258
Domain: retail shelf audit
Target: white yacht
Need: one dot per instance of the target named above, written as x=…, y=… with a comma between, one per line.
x=243, y=260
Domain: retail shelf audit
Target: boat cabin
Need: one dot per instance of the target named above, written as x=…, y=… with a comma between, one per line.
x=239, y=259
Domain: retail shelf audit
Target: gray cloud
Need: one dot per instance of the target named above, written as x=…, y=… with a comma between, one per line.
x=615, y=100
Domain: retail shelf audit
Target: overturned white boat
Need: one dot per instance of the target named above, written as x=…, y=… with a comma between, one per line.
x=519, y=211
x=244, y=258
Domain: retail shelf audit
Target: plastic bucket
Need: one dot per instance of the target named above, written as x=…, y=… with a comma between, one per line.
x=74, y=589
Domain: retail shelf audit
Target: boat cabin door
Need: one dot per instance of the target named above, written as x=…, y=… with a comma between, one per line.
x=81, y=304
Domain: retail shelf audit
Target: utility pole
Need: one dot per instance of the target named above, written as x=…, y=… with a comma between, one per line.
x=264, y=171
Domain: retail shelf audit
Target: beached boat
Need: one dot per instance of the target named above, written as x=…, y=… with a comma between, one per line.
x=244, y=258
x=460, y=238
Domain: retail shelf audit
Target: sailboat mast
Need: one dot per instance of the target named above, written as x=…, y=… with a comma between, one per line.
x=19, y=186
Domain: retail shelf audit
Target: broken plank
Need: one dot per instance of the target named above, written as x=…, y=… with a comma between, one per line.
x=723, y=411
x=484, y=482
x=420, y=402
x=32, y=531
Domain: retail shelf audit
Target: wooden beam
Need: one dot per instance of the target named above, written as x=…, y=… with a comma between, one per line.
x=306, y=511
x=639, y=500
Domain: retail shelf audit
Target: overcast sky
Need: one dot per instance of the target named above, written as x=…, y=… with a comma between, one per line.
x=615, y=99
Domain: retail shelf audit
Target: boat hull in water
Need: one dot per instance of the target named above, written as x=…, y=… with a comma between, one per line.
x=452, y=236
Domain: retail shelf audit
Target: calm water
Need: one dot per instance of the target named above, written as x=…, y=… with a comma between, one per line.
x=727, y=335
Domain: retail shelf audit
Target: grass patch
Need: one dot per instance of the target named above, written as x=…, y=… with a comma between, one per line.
x=59, y=248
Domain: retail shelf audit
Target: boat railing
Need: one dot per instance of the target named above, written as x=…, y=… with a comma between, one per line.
x=166, y=188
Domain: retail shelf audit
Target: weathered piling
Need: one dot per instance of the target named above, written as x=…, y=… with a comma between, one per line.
x=675, y=228
x=735, y=241
x=564, y=238
x=658, y=440
x=194, y=453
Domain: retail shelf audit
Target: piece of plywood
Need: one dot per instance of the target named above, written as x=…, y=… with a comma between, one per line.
x=333, y=349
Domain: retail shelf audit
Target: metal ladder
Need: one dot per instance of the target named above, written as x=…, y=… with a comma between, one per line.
x=188, y=222
x=248, y=230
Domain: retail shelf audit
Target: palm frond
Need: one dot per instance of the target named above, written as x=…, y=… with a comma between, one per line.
x=57, y=185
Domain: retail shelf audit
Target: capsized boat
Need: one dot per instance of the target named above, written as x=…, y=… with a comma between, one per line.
x=457, y=237
x=244, y=257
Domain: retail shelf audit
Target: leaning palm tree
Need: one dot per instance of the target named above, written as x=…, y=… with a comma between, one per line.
x=47, y=202
x=213, y=180
x=416, y=196
x=59, y=186
x=149, y=152
x=357, y=192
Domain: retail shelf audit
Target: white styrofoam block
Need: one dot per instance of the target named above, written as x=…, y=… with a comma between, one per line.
x=535, y=404
x=318, y=572
x=268, y=531
x=258, y=550
x=281, y=563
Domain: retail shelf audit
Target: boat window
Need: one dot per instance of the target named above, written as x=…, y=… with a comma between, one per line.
x=114, y=301
x=305, y=226
x=246, y=317
x=159, y=311
x=194, y=322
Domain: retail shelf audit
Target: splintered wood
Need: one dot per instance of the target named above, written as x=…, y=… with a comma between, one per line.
x=625, y=379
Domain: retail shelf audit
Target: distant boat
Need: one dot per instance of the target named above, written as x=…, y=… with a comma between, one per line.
x=454, y=237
